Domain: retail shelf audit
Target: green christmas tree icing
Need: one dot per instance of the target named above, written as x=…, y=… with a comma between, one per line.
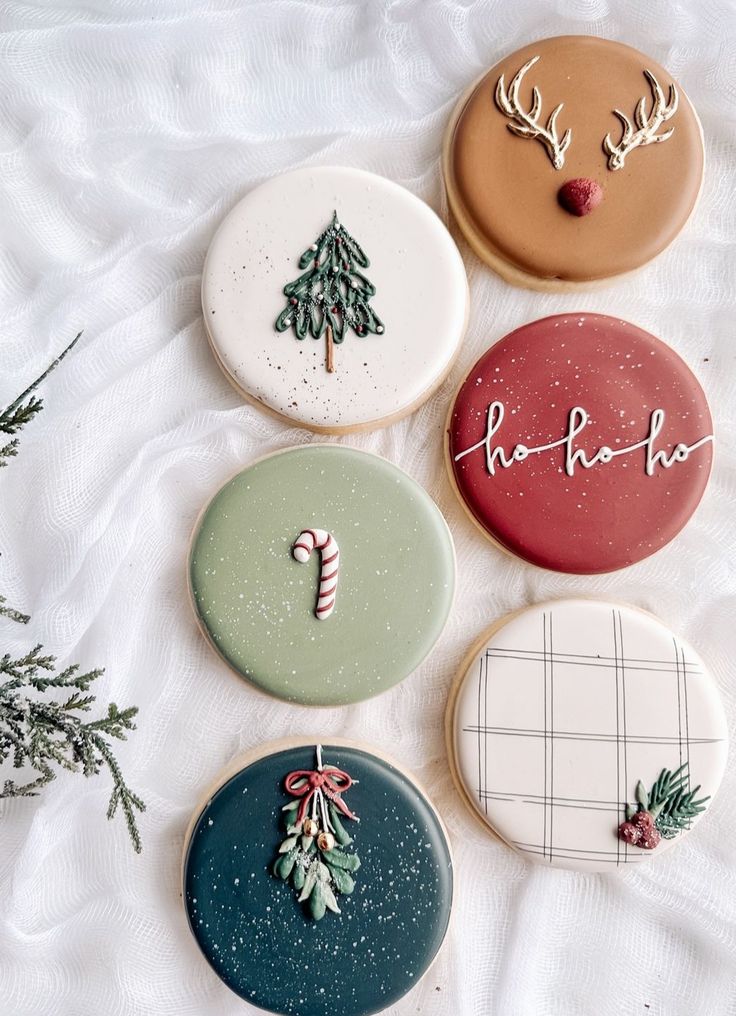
x=332, y=295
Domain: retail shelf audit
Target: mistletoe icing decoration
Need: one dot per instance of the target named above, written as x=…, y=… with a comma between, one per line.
x=666, y=810
x=313, y=856
x=333, y=295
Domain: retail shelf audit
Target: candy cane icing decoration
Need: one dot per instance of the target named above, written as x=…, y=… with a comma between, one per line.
x=319, y=539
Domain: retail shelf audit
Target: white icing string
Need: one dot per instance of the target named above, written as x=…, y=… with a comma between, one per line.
x=319, y=798
x=577, y=422
x=319, y=539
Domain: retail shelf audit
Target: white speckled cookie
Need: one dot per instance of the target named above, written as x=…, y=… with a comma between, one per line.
x=322, y=574
x=586, y=734
x=318, y=880
x=335, y=298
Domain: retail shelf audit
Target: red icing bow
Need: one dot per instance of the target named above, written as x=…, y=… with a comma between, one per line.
x=332, y=782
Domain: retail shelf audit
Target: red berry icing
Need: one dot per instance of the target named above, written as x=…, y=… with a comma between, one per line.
x=650, y=840
x=580, y=196
x=640, y=831
x=629, y=832
x=643, y=821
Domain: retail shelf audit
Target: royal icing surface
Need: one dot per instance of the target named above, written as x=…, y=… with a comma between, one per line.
x=331, y=249
x=265, y=944
x=262, y=599
x=580, y=443
x=546, y=117
x=564, y=710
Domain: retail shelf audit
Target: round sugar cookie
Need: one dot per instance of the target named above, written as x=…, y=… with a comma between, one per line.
x=560, y=173
x=586, y=734
x=318, y=880
x=580, y=443
x=322, y=574
x=335, y=298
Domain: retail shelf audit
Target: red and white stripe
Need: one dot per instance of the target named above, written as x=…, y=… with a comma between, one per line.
x=319, y=539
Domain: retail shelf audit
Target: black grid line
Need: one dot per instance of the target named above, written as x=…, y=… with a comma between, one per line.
x=480, y=775
x=571, y=854
x=688, y=742
x=618, y=732
x=580, y=802
x=635, y=739
x=485, y=718
x=579, y=735
x=570, y=657
x=544, y=674
x=659, y=667
x=552, y=735
x=623, y=704
x=679, y=704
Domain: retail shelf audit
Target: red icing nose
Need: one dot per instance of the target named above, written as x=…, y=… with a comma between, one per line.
x=580, y=196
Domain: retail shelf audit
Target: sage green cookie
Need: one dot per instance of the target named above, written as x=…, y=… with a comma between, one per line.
x=333, y=625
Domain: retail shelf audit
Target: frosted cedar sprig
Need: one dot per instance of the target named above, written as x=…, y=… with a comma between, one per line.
x=14, y=615
x=12, y=420
x=46, y=734
x=23, y=409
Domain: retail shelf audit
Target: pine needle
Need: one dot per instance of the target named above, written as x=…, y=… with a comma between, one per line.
x=22, y=410
x=44, y=733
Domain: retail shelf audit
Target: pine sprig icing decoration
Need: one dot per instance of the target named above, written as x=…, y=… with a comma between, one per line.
x=666, y=810
x=313, y=857
x=333, y=295
x=41, y=732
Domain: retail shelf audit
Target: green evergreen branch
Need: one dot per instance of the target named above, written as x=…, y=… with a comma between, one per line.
x=14, y=615
x=20, y=412
x=44, y=733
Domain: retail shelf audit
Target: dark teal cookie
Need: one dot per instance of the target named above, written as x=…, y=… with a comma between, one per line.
x=264, y=943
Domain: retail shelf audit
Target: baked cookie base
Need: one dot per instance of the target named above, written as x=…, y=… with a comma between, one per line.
x=480, y=246
x=356, y=428
x=488, y=536
x=272, y=747
x=451, y=708
x=213, y=645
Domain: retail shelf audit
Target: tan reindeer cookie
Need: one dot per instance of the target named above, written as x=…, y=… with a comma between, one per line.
x=573, y=160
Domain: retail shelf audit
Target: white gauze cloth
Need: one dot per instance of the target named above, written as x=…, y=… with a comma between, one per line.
x=129, y=129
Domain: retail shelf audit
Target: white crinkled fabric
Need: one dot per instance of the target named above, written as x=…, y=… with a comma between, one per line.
x=130, y=128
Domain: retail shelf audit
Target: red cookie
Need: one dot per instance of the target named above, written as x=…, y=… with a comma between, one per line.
x=580, y=443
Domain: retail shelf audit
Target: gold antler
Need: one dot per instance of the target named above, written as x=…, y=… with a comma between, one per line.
x=648, y=125
x=526, y=125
